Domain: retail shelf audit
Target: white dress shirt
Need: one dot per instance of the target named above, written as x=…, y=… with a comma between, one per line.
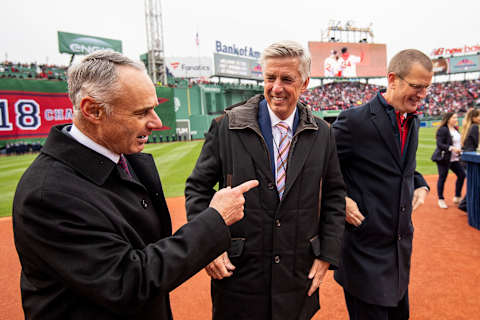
x=89, y=143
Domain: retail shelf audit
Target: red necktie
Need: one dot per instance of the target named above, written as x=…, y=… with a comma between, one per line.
x=122, y=162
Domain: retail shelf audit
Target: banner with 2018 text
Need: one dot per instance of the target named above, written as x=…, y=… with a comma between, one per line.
x=29, y=108
x=32, y=114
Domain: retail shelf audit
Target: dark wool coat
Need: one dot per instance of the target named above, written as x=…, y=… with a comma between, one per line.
x=274, y=246
x=471, y=141
x=376, y=255
x=444, y=140
x=94, y=243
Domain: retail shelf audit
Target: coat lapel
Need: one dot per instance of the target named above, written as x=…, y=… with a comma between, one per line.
x=383, y=125
x=301, y=148
x=300, y=151
x=253, y=143
x=412, y=143
x=259, y=145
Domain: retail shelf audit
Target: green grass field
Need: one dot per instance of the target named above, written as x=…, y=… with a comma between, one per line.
x=175, y=162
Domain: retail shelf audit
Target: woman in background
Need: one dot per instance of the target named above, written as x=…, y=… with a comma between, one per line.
x=470, y=130
x=469, y=140
x=447, y=156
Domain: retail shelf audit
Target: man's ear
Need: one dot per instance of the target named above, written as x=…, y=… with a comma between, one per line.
x=91, y=110
x=391, y=77
x=305, y=84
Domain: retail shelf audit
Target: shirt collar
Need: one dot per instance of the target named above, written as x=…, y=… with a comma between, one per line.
x=89, y=143
x=275, y=120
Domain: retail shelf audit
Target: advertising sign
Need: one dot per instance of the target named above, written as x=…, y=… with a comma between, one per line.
x=440, y=66
x=464, y=64
x=237, y=67
x=233, y=49
x=189, y=67
x=347, y=60
x=82, y=44
x=455, y=50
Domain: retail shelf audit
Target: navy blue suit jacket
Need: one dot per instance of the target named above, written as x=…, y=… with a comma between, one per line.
x=265, y=124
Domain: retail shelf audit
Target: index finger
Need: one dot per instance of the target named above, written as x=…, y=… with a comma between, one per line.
x=244, y=187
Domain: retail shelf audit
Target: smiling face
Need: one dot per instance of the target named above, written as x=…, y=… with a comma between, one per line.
x=127, y=128
x=283, y=85
x=453, y=121
x=406, y=93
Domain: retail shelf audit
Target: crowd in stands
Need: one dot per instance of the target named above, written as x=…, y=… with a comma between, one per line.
x=454, y=96
x=19, y=148
x=339, y=95
x=9, y=69
x=442, y=97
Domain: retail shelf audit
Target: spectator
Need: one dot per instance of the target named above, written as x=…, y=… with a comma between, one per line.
x=470, y=131
x=447, y=156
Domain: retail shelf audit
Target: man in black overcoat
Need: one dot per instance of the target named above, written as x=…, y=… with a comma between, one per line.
x=93, y=237
x=377, y=145
x=294, y=220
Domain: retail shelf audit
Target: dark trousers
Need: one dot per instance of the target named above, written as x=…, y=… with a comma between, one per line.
x=458, y=169
x=360, y=310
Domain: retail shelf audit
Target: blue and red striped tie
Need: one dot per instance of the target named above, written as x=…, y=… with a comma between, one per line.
x=283, y=148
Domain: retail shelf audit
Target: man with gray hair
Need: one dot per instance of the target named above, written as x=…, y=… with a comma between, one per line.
x=377, y=145
x=91, y=225
x=293, y=224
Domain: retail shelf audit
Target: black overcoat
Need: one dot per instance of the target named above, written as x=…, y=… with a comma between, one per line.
x=471, y=141
x=274, y=246
x=376, y=256
x=93, y=243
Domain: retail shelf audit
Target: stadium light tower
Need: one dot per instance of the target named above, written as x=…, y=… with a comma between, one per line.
x=154, y=29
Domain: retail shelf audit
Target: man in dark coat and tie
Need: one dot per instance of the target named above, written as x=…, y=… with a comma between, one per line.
x=93, y=237
x=294, y=220
x=377, y=145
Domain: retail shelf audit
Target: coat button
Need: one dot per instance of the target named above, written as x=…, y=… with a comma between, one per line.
x=144, y=203
x=403, y=209
x=271, y=186
x=277, y=223
x=277, y=259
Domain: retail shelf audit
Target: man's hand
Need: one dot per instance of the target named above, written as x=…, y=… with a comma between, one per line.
x=220, y=267
x=419, y=196
x=229, y=201
x=317, y=273
x=352, y=214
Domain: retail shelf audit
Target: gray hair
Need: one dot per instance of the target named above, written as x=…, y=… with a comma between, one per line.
x=96, y=76
x=402, y=62
x=288, y=48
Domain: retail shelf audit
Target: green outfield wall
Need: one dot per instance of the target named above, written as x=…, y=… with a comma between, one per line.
x=196, y=106
x=29, y=108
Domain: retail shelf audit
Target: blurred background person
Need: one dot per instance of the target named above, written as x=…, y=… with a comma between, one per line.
x=470, y=130
x=331, y=65
x=348, y=63
x=447, y=156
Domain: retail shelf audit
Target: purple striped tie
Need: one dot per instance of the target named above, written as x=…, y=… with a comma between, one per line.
x=283, y=148
x=122, y=162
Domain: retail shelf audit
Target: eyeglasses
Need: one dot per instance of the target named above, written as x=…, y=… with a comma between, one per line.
x=418, y=87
